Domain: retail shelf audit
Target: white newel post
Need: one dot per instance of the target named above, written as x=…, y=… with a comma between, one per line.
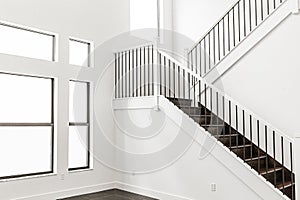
x=297, y=164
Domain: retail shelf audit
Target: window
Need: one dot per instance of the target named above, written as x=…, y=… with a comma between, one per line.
x=143, y=14
x=79, y=53
x=28, y=43
x=79, y=125
x=26, y=125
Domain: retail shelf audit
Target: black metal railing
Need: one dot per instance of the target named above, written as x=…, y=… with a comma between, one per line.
x=146, y=71
x=134, y=72
x=237, y=23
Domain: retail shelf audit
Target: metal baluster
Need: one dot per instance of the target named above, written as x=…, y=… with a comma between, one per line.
x=244, y=136
x=219, y=53
x=239, y=21
x=251, y=138
x=152, y=55
x=233, y=24
x=223, y=122
x=223, y=36
x=268, y=7
x=129, y=72
x=209, y=49
x=236, y=125
x=274, y=4
x=160, y=76
x=214, y=44
x=274, y=153
x=262, y=9
x=141, y=83
x=250, y=17
x=211, y=99
x=204, y=55
x=196, y=58
x=194, y=86
x=144, y=85
x=282, y=152
x=122, y=77
x=169, y=78
x=174, y=81
x=148, y=84
x=115, y=75
x=178, y=82
x=200, y=95
x=205, y=100
x=266, y=144
x=137, y=72
x=244, y=11
x=183, y=82
x=255, y=12
x=189, y=84
x=229, y=113
x=258, y=140
x=292, y=175
x=228, y=30
x=133, y=90
x=165, y=75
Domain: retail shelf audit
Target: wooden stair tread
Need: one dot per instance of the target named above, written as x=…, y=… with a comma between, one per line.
x=285, y=185
x=255, y=158
x=240, y=146
x=228, y=135
x=264, y=171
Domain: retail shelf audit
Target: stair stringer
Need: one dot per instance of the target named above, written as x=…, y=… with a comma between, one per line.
x=248, y=43
x=222, y=154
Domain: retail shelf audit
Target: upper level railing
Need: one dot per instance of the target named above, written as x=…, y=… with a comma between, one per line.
x=147, y=71
x=237, y=23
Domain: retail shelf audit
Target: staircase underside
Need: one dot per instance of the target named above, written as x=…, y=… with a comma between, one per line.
x=274, y=172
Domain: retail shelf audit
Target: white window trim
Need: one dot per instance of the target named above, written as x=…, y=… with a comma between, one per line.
x=91, y=59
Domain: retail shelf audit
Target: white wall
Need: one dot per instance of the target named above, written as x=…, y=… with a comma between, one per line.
x=194, y=18
x=92, y=20
x=197, y=160
x=268, y=78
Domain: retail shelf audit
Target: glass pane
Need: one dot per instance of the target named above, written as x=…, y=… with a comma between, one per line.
x=143, y=14
x=20, y=42
x=25, y=99
x=78, y=107
x=78, y=146
x=79, y=53
x=25, y=150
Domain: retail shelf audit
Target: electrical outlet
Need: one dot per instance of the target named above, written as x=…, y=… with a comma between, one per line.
x=62, y=177
x=213, y=187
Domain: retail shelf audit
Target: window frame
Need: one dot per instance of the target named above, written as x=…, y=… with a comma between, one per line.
x=37, y=124
x=38, y=31
x=90, y=45
x=87, y=124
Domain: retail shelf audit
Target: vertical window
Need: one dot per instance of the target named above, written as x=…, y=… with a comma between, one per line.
x=79, y=125
x=26, y=126
x=144, y=14
x=28, y=43
x=79, y=53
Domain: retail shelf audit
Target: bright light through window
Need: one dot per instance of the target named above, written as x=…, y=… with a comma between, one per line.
x=79, y=53
x=143, y=14
x=20, y=42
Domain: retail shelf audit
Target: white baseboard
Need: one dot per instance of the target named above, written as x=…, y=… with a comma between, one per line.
x=71, y=192
x=148, y=192
x=101, y=187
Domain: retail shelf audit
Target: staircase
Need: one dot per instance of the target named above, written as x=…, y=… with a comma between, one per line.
x=246, y=22
x=274, y=172
x=148, y=71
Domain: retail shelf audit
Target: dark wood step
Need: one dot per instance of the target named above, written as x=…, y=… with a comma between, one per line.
x=181, y=102
x=255, y=157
